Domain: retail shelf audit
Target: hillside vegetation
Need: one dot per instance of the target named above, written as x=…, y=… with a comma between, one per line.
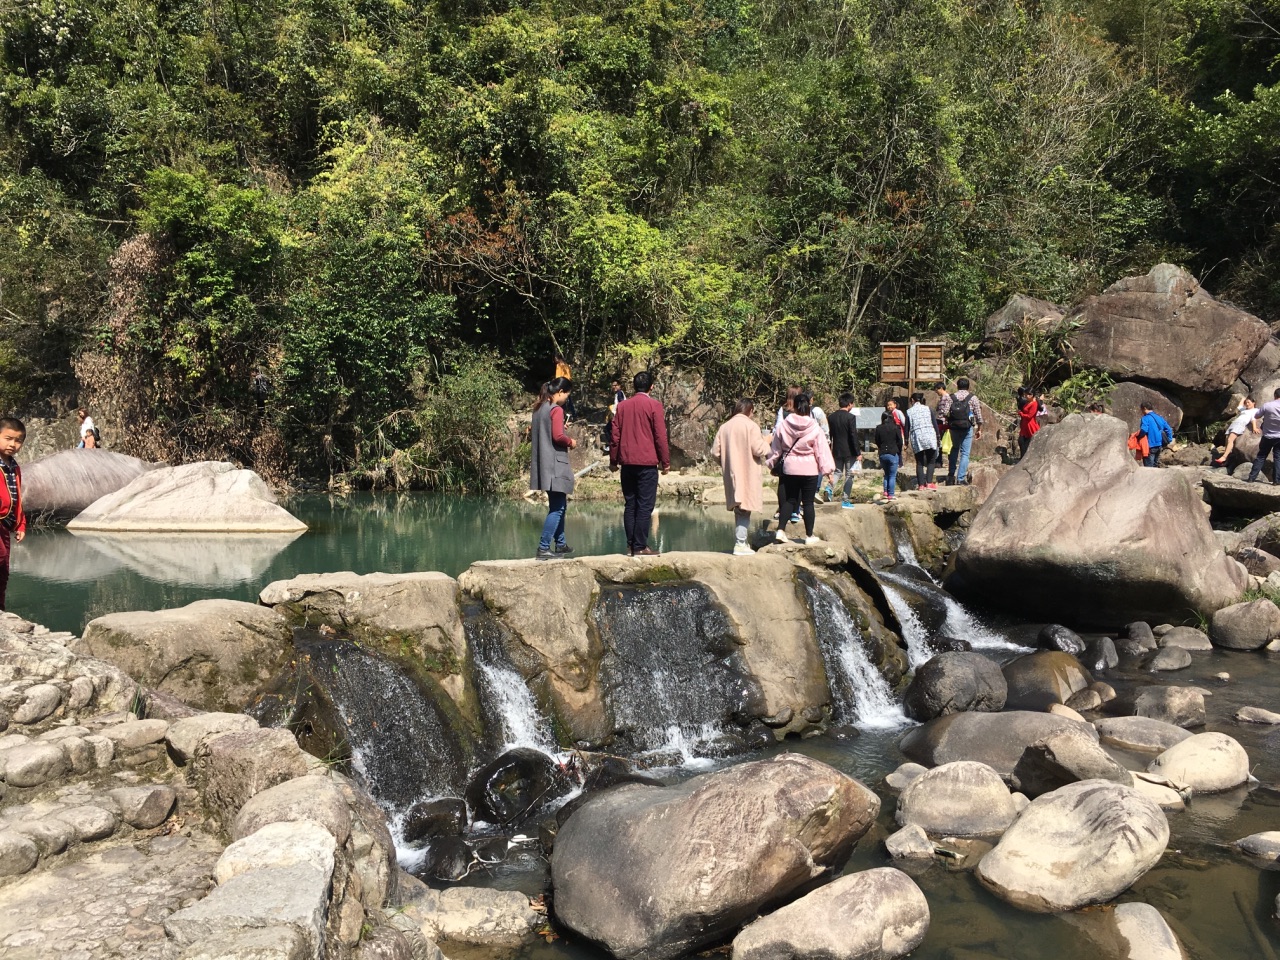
x=400, y=211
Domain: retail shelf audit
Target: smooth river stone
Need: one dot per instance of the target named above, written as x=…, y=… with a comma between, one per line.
x=960, y=799
x=1256, y=715
x=1140, y=733
x=32, y=764
x=1265, y=846
x=1207, y=763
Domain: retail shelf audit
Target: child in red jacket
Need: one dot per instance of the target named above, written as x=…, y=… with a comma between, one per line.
x=13, y=522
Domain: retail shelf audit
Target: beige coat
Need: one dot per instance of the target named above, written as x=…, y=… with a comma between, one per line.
x=741, y=449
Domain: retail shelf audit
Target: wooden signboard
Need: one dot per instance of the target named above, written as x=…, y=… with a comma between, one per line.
x=909, y=363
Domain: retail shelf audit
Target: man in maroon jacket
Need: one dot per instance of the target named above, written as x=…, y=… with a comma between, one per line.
x=639, y=447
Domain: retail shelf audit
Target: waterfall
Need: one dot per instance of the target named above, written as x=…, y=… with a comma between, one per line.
x=859, y=692
x=511, y=714
x=955, y=621
x=671, y=671
x=914, y=633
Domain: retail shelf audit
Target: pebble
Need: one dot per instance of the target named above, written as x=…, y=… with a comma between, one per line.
x=18, y=854
x=89, y=822
x=135, y=734
x=1224, y=676
x=144, y=807
x=33, y=764
x=910, y=843
x=40, y=702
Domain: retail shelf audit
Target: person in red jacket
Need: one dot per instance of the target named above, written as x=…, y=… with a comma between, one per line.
x=1028, y=419
x=13, y=522
x=639, y=448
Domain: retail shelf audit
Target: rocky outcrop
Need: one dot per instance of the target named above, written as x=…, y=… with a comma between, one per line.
x=1098, y=836
x=212, y=654
x=1126, y=399
x=63, y=484
x=1164, y=329
x=996, y=739
x=873, y=915
x=959, y=799
x=205, y=497
x=1077, y=531
x=1022, y=310
x=955, y=682
x=653, y=872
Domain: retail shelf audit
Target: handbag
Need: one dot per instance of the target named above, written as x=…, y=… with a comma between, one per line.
x=776, y=469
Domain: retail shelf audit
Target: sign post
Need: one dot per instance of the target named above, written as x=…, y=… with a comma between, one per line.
x=908, y=363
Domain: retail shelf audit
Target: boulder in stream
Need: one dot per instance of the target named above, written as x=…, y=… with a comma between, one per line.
x=655, y=872
x=1065, y=757
x=1140, y=733
x=1054, y=636
x=955, y=683
x=62, y=484
x=515, y=786
x=876, y=914
x=1246, y=626
x=1081, y=844
x=1037, y=680
x=959, y=799
x=996, y=739
x=1077, y=531
x=1181, y=706
x=1207, y=763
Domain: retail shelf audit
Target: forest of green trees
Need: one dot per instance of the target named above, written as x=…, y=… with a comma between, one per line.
x=399, y=211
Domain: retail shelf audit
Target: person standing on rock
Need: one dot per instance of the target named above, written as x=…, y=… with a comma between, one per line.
x=889, y=449
x=1269, y=413
x=961, y=414
x=1028, y=419
x=741, y=450
x=13, y=522
x=1156, y=431
x=87, y=427
x=639, y=448
x=1245, y=419
x=550, y=469
x=806, y=460
x=924, y=441
x=846, y=449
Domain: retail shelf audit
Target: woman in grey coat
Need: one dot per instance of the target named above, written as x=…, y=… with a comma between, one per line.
x=550, y=470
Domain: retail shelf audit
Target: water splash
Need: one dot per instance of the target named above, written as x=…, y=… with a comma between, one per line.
x=520, y=722
x=957, y=621
x=914, y=633
x=859, y=692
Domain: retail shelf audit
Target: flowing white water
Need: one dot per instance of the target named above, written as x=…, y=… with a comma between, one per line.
x=859, y=692
x=958, y=621
x=515, y=709
x=914, y=633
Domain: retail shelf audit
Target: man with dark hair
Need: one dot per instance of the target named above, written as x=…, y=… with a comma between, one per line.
x=846, y=450
x=961, y=414
x=1156, y=431
x=1269, y=412
x=13, y=522
x=639, y=448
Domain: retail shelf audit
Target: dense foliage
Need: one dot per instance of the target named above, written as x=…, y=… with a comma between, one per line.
x=374, y=202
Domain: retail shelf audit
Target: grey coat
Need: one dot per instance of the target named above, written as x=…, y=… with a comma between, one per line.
x=550, y=468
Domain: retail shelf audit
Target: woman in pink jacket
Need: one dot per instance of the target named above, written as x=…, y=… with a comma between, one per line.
x=741, y=449
x=806, y=461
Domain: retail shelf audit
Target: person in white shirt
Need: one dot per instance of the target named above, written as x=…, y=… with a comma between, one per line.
x=1245, y=419
x=87, y=426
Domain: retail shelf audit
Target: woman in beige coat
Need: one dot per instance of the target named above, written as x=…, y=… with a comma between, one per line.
x=741, y=450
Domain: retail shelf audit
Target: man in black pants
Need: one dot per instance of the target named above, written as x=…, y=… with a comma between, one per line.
x=639, y=447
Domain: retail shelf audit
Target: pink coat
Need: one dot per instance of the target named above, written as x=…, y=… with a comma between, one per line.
x=741, y=449
x=808, y=452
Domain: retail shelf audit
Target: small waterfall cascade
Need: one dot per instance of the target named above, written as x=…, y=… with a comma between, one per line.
x=928, y=614
x=671, y=668
x=511, y=714
x=859, y=693
x=914, y=632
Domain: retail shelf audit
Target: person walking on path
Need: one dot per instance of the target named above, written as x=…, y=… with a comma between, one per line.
x=741, y=450
x=13, y=522
x=1156, y=431
x=1245, y=419
x=1269, y=413
x=639, y=448
x=1028, y=419
x=924, y=441
x=961, y=413
x=550, y=469
x=806, y=459
x=846, y=449
x=889, y=449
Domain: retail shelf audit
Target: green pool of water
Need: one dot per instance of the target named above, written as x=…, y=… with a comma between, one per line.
x=63, y=580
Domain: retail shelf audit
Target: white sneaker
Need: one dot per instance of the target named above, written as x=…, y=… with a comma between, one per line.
x=742, y=550
x=780, y=536
x=810, y=541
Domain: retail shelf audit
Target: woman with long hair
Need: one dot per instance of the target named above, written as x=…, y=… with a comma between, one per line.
x=741, y=449
x=550, y=469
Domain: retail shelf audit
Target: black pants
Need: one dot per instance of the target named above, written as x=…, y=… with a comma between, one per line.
x=640, y=490
x=926, y=460
x=797, y=490
x=1267, y=446
x=1023, y=443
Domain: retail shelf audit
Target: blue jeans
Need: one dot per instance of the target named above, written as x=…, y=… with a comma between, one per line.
x=958, y=464
x=889, y=464
x=1152, y=459
x=553, y=527
x=1268, y=445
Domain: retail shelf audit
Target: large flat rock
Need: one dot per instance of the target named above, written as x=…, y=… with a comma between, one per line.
x=204, y=497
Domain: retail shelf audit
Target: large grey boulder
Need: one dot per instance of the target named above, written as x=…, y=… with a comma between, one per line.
x=996, y=739
x=1023, y=310
x=1062, y=758
x=1140, y=733
x=1037, y=680
x=654, y=872
x=62, y=484
x=1081, y=844
x=1078, y=532
x=1164, y=329
x=211, y=654
x=207, y=497
x=960, y=799
x=1246, y=626
x=955, y=682
x=873, y=915
x=1207, y=763
x=1180, y=706
x=1186, y=638
x=1126, y=399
